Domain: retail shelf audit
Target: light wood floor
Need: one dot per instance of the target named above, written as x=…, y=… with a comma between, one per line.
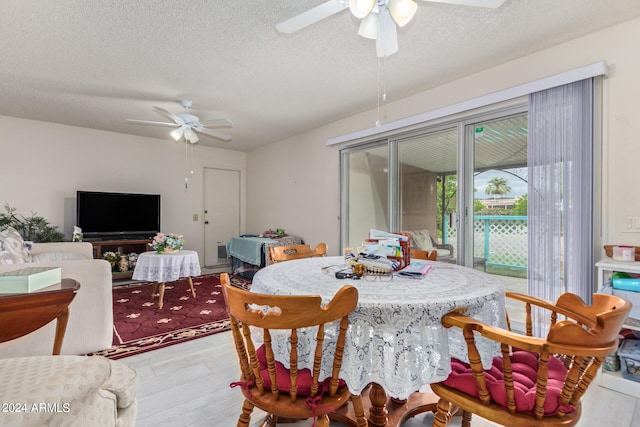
x=188, y=385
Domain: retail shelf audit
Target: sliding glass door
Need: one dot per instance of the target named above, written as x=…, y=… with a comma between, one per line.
x=365, y=192
x=427, y=188
x=498, y=233
x=462, y=184
x=465, y=183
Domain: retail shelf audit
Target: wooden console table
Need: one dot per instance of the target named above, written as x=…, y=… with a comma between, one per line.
x=122, y=246
x=24, y=313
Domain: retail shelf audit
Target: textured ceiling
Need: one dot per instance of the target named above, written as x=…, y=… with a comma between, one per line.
x=96, y=63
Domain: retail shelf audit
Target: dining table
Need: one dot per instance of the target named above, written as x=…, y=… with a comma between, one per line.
x=396, y=343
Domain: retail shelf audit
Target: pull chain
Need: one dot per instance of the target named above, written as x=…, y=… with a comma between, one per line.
x=381, y=83
x=188, y=166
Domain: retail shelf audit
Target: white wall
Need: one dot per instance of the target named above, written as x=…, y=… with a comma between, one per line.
x=44, y=164
x=294, y=183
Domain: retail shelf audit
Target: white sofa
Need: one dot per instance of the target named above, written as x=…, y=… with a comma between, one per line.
x=90, y=326
x=67, y=391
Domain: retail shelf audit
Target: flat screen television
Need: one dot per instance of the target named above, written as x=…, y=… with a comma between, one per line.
x=117, y=215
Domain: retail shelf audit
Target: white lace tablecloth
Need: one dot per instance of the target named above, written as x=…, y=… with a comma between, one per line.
x=156, y=267
x=395, y=337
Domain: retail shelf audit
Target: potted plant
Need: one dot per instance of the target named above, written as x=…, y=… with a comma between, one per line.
x=33, y=228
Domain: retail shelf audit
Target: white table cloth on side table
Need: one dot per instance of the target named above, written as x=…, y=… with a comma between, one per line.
x=395, y=337
x=162, y=268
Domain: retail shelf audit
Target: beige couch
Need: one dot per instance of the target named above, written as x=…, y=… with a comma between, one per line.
x=90, y=326
x=67, y=391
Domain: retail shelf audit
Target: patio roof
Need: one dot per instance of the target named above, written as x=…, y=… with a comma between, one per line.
x=501, y=144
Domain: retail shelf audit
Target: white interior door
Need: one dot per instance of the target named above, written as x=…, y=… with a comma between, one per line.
x=221, y=214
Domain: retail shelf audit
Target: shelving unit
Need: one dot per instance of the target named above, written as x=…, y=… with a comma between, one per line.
x=614, y=380
x=122, y=246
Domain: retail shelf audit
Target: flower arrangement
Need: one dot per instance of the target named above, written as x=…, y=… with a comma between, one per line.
x=112, y=257
x=167, y=244
x=133, y=258
x=278, y=233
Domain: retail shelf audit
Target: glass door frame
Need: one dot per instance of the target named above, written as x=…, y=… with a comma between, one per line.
x=466, y=218
x=394, y=179
x=344, y=189
x=465, y=171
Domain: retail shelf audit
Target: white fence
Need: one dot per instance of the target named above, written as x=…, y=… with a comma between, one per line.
x=501, y=240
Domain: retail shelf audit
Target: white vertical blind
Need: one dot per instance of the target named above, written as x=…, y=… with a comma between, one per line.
x=560, y=155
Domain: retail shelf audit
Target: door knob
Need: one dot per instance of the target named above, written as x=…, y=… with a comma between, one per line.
x=206, y=222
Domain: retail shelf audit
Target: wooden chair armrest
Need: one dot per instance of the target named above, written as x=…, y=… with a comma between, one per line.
x=500, y=335
x=539, y=302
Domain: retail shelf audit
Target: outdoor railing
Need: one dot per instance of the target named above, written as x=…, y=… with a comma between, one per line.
x=501, y=240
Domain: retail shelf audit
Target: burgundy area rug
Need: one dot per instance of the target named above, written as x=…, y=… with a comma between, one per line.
x=139, y=325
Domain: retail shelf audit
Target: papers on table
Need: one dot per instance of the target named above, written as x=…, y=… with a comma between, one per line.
x=381, y=235
x=384, y=244
x=416, y=270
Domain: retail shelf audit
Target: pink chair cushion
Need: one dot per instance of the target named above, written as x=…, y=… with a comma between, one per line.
x=283, y=378
x=524, y=365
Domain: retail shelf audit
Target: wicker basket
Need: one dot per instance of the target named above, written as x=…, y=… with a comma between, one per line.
x=371, y=269
x=405, y=245
x=608, y=249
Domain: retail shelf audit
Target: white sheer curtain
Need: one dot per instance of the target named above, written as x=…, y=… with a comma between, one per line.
x=560, y=204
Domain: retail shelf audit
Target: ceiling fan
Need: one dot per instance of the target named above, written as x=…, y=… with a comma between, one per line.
x=379, y=18
x=187, y=125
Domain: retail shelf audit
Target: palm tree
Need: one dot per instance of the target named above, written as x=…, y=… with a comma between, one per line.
x=497, y=186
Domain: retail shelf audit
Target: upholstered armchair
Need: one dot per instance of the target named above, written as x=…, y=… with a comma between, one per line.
x=67, y=391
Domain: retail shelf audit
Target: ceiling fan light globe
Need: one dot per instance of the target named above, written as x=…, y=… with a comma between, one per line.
x=387, y=41
x=361, y=8
x=402, y=11
x=191, y=136
x=177, y=133
x=369, y=26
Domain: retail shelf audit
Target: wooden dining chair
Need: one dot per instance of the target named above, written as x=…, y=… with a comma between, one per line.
x=285, y=253
x=420, y=254
x=536, y=381
x=291, y=392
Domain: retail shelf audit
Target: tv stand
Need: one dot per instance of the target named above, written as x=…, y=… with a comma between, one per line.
x=124, y=246
x=117, y=238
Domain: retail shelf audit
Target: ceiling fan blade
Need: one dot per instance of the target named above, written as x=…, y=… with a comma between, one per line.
x=148, y=122
x=216, y=134
x=311, y=16
x=218, y=123
x=169, y=115
x=479, y=3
